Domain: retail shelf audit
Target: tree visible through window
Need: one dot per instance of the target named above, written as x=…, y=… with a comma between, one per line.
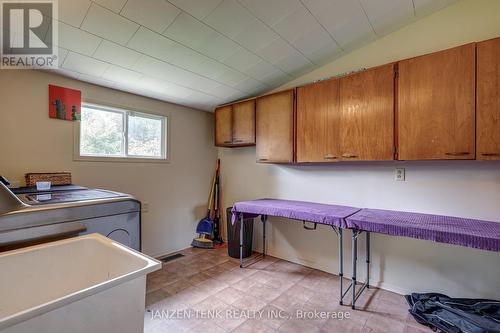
x=111, y=132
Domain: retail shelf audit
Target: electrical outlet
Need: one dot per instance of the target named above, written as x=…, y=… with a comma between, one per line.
x=400, y=174
x=145, y=207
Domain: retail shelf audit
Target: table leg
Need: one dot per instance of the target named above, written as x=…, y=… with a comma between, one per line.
x=241, y=240
x=341, y=264
x=367, y=260
x=264, y=220
x=354, y=261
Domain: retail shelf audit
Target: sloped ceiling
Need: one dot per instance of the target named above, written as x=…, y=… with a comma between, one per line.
x=202, y=53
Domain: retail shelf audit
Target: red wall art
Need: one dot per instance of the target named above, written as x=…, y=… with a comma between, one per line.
x=64, y=103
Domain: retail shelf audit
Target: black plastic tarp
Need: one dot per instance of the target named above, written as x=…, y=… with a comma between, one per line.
x=455, y=315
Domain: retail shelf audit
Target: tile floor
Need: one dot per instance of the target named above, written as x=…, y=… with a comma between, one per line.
x=206, y=291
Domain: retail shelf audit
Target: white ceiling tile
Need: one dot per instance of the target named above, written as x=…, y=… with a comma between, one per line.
x=189, y=31
x=267, y=73
x=73, y=11
x=184, y=57
x=219, y=47
x=230, y=18
x=114, y=5
x=84, y=65
x=388, y=15
x=249, y=85
x=149, y=66
x=231, y=77
x=242, y=59
x=296, y=24
x=116, y=54
x=201, y=83
x=96, y=80
x=222, y=91
x=197, y=8
x=325, y=54
x=256, y=36
x=317, y=45
x=163, y=87
x=293, y=63
x=162, y=70
x=273, y=11
x=158, y=46
x=210, y=68
x=77, y=40
x=276, y=50
x=120, y=75
x=425, y=7
x=344, y=20
x=157, y=15
x=109, y=25
x=201, y=98
x=151, y=43
x=61, y=55
x=260, y=69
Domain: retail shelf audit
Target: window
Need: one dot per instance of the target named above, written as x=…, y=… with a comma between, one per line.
x=108, y=132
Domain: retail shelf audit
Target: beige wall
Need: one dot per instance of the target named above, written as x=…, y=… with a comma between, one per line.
x=176, y=191
x=469, y=189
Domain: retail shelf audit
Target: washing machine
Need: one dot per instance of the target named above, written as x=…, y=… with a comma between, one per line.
x=66, y=211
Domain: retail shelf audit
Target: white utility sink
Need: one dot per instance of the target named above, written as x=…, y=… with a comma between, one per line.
x=83, y=284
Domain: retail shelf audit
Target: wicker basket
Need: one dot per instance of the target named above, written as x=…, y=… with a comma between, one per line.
x=56, y=178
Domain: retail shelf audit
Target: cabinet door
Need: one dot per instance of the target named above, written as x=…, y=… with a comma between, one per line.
x=223, y=126
x=488, y=100
x=318, y=122
x=436, y=105
x=275, y=127
x=367, y=115
x=244, y=123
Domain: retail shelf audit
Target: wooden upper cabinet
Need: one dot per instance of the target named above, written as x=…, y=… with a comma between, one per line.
x=318, y=122
x=488, y=100
x=436, y=105
x=235, y=125
x=367, y=115
x=275, y=127
x=224, y=126
x=244, y=123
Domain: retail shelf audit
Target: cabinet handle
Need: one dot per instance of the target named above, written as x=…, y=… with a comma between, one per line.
x=263, y=159
x=228, y=141
x=237, y=141
x=329, y=157
x=349, y=156
x=490, y=154
x=460, y=153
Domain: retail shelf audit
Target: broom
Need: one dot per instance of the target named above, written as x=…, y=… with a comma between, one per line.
x=205, y=226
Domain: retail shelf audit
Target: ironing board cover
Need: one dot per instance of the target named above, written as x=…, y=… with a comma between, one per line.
x=484, y=235
x=297, y=210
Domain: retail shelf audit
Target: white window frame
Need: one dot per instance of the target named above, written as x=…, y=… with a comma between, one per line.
x=126, y=112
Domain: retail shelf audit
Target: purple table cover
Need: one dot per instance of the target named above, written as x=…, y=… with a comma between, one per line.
x=484, y=235
x=297, y=210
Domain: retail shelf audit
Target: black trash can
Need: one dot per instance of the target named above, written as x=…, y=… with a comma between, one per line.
x=233, y=236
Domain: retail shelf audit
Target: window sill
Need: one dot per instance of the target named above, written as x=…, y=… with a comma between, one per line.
x=119, y=159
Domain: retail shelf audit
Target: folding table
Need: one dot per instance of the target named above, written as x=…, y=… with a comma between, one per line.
x=483, y=235
x=332, y=215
